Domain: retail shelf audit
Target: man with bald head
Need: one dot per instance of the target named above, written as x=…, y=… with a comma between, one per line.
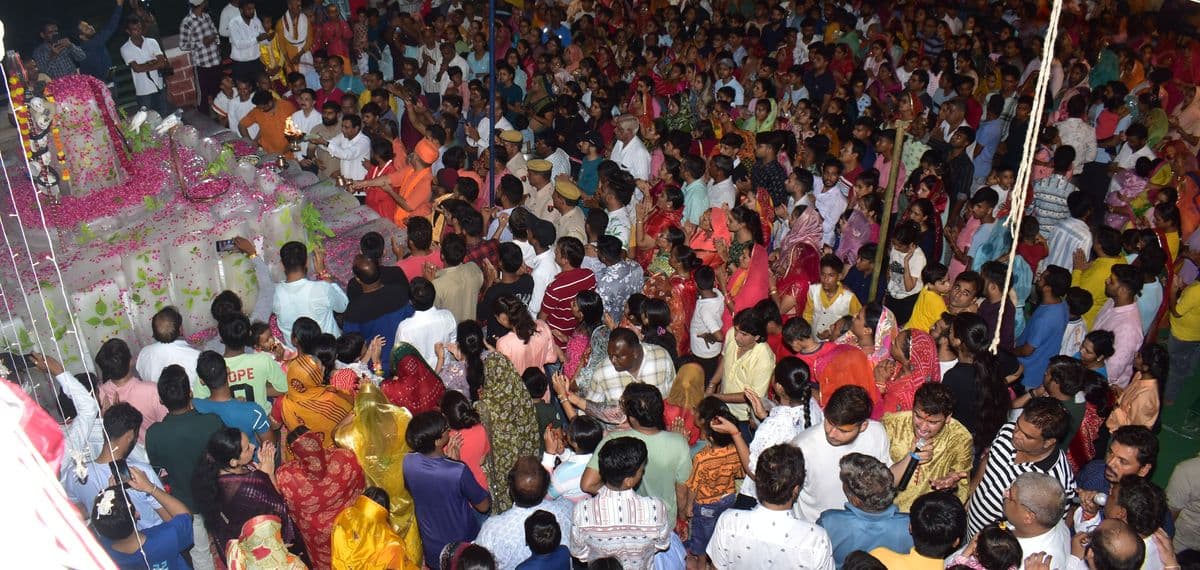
x=379, y=309
x=1034, y=507
x=1113, y=545
x=504, y=534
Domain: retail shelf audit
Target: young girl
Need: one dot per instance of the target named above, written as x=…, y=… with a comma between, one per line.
x=265, y=341
x=356, y=362
x=1139, y=403
x=859, y=226
x=1032, y=246
x=467, y=429
x=905, y=263
x=994, y=548
x=1042, y=165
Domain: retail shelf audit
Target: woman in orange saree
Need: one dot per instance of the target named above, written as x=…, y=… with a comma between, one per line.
x=309, y=401
x=713, y=229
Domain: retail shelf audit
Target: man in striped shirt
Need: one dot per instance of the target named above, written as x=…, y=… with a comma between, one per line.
x=560, y=294
x=618, y=522
x=1028, y=445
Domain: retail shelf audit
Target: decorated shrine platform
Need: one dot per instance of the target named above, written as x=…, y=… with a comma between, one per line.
x=147, y=239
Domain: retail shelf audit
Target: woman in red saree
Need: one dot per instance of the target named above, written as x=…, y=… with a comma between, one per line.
x=914, y=362
x=665, y=213
x=746, y=263
x=317, y=485
x=798, y=264
x=678, y=289
x=413, y=386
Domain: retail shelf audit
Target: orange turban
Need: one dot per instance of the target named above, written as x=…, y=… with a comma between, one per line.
x=427, y=151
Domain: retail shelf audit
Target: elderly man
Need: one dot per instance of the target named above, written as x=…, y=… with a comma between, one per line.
x=168, y=348
x=629, y=151
x=941, y=444
x=870, y=519
x=1033, y=508
x=504, y=534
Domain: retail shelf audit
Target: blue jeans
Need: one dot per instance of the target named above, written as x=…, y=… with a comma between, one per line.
x=704, y=522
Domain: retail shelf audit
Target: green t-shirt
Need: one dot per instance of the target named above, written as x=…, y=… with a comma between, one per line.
x=670, y=462
x=249, y=375
x=176, y=445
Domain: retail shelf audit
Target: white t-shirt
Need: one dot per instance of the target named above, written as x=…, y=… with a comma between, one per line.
x=896, y=272
x=237, y=110
x=144, y=82
x=706, y=318
x=721, y=194
x=824, y=491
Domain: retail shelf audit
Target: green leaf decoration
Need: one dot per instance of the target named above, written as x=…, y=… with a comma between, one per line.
x=317, y=230
x=23, y=338
x=109, y=322
x=94, y=321
x=101, y=307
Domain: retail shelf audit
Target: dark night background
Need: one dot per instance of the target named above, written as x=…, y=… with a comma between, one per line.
x=23, y=18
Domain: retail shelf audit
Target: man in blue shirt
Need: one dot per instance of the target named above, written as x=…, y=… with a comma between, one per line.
x=95, y=44
x=247, y=417
x=1042, y=337
x=870, y=519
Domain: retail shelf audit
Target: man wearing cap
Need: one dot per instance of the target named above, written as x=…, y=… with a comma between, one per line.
x=516, y=166
x=546, y=145
x=412, y=184
x=566, y=216
x=538, y=202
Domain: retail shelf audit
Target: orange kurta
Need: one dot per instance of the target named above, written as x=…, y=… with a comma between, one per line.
x=270, y=126
x=416, y=187
x=377, y=199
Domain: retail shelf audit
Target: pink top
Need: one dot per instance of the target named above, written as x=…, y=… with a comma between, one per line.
x=475, y=448
x=964, y=241
x=537, y=352
x=141, y=395
x=414, y=265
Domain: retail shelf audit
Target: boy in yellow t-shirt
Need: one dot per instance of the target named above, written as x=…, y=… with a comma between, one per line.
x=930, y=301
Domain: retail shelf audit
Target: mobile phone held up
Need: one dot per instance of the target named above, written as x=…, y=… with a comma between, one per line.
x=225, y=246
x=120, y=472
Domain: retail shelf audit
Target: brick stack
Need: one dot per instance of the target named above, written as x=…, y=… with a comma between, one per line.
x=182, y=88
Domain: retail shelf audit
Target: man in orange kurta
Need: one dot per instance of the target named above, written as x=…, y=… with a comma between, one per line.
x=414, y=183
x=271, y=116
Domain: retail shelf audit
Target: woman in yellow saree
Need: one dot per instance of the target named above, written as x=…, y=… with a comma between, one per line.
x=363, y=538
x=376, y=435
x=309, y=401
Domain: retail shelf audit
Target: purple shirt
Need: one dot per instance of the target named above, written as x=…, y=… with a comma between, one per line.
x=443, y=491
x=990, y=312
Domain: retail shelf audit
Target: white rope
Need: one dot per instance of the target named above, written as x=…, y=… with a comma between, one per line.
x=1021, y=189
x=73, y=327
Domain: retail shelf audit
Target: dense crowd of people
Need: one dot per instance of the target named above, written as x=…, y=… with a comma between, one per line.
x=719, y=284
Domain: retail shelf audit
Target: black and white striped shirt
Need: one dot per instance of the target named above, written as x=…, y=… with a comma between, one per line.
x=987, y=502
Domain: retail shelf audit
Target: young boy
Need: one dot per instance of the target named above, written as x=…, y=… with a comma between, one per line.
x=829, y=300
x=705, y=329
x=981, y=206
x=906, y=261
x=712, y=487
x=866, y=184
x=543, y=536
x=1002, y=179
x=1032, y=247
x=1079, y=301
x=858, y=276
x=931, y=301
x=798, y=336
x=537, y=383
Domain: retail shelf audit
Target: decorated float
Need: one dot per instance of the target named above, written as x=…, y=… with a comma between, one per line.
x=109, y=218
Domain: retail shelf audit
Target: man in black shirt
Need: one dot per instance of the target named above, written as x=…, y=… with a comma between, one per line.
x=510, y=282
x=378, y=307
x=372, y=246
x=819, y=80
